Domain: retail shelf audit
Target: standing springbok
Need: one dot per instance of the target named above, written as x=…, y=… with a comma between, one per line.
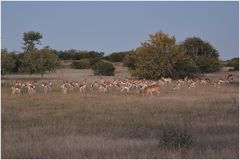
x=16, y=88
x=31, y=86
x=47, y=87
x=150, y=90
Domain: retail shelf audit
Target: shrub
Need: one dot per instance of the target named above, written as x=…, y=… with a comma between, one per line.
x=234, y=62
x=130, y=61
x=94, y=60
x=103, y=68
x=175, y=137
x=204, y=55
x=8, y=62
x=160, y=56
x=116, y=56
x=82, y=64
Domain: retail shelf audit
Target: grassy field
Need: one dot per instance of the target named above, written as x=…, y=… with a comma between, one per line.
x=119, y=125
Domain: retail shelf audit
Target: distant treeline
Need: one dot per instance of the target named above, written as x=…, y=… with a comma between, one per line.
x=160, y=56
x=77, y=54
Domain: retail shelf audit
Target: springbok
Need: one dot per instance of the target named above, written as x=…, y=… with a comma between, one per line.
x=150, y=90
x=65, y=87
x=47, y=87
x=16, y=88
x=167, y=80
x=102, y=88
x=229, y=77
x=31, y=86
x=193, y=85
x=82, y=88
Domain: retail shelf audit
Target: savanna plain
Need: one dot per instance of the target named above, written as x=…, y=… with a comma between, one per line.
x=201, y=122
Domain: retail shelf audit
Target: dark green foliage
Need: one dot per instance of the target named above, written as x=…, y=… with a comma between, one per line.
x=160, y=57
x=117, y=56
x=234, y=62
x=94, y=60
x=39, y=61
x=174, y=137
x=82, y=64
x=78, y=55
x=203, y=54
x=130, y=60
x=103, y=68
x=30, y=39
x=208, y=64
x=8, y=61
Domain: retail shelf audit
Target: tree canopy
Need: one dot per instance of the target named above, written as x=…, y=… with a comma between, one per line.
x=30, y=39
x=8, y=61
x=160, y=56
x=204, y=55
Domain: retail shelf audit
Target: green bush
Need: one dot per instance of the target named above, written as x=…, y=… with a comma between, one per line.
x=130, y=61
x=8, y=61
x=94, y=60
x=103, y=68
x=203, y=54
x=175, y=138
x=234, y=62
x=116, y=56
x=82, y=64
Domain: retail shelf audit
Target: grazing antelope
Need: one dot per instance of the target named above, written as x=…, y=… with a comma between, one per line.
x=102, y=88
x=229, y=77
x=177, y=87
x=82, y=88
x=167, y=80
x=64, y=87
x=220, y=82
x=16, y=88
x=202, y=81
x=193, y=85
x=47, y=87
x=150, y=90
x=31, y=86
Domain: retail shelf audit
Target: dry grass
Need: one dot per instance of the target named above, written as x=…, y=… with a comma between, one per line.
x=115, y=125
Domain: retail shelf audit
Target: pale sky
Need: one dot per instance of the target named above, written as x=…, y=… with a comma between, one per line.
x=120, y=26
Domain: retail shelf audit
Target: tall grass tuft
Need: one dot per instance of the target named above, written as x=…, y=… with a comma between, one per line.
x=172, y=137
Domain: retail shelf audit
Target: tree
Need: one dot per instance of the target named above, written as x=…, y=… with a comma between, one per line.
x=48, y=61
x=39, y=61
x=130, y=60
x=36, y=61
x=117, y=56
x=103, y=68
x=204, y=55
x=160, y=56
x=8, y=61
x=234, y=62
x=82, y=64
x=30, y=39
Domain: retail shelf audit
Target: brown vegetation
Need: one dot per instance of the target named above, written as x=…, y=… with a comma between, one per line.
x=119, y=125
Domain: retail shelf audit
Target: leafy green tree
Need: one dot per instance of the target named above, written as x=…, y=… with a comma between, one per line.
x=29, y=62
x=30, y=39
x=130, y=60
x=36, y=61
x=39, y=61
x=234, y=62
x=204, y=55
x=160, y=56
x=8, y=61
x=48, y=61
x=117, y=56
x=103, y=68
x=82, y=64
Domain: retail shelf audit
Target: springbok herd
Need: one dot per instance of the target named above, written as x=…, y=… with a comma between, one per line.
x=144, y=87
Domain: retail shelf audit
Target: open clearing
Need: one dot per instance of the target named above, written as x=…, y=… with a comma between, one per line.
x=118, y=125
